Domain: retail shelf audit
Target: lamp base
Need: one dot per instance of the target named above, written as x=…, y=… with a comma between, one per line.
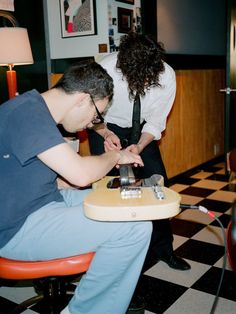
x=12, y=84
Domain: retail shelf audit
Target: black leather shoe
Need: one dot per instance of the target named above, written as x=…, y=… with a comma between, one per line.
x=175, y=262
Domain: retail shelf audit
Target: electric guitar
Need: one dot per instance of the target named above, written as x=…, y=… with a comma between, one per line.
x=130, y=202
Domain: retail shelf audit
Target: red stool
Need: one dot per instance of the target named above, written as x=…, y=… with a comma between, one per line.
x=50, y=275
x=231, y=164
x=231, y=248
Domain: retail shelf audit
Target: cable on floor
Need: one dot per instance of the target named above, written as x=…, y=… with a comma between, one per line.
x=213, y=216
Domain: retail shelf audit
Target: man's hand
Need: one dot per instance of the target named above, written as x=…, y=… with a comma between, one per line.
x=112, y=142
x=134, y=148
x=127, y=157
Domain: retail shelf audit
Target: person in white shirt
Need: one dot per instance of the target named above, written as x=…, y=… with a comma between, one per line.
x=138, y=69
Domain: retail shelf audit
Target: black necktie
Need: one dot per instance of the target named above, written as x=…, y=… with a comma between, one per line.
x=136, y=128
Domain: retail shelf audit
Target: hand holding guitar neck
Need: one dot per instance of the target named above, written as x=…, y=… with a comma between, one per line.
x=127, y=157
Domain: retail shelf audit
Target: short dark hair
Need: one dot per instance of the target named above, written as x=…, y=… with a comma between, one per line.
x=87, y=77
x=140, y=59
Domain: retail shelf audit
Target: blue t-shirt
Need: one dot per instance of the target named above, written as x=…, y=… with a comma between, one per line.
x=26, y=184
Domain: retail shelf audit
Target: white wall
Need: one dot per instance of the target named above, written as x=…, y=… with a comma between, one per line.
x=83, y=46
x=74, y=47
x=192, y=26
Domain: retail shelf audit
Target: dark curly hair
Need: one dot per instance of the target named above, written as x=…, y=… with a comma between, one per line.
x=140, y=59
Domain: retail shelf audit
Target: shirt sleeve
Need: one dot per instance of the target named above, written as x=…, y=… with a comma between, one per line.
x=158, y=104
x=32, y=130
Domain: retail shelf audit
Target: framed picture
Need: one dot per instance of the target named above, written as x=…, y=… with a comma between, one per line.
x=78, y=17
x=125, y=20
x=126, y=1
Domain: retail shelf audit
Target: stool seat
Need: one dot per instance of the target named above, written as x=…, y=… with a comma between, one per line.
x=49, y=277
x=19, y=270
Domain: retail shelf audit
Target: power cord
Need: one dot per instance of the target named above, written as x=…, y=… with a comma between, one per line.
x=213, y=216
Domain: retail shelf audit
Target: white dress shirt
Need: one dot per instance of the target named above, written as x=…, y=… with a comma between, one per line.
x=155, y=105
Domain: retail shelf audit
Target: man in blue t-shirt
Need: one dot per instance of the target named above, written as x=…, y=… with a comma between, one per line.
x=41, y=221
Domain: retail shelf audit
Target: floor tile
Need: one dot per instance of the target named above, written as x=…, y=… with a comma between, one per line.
x=218, y=177
x=199, y=251
x=221, y=171
x=215, y=205
x=197, y=191
x=185, y=228
x=230, y=187
x=224, y=218
x=197, y=302
x=17, y=294
x=220, y=165
x=186, y=180
x=184, y=278
x=201, y=175
x=210, y=280
x=178, y=187
x=210, y=168
x=210, y=184
x=178, y=241
x=224, y=196
x=160, y=294
x=189, y=199
x=196, y=216
x=211, y=233
x=219, y=264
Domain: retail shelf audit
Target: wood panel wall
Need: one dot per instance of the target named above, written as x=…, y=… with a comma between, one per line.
x=195, y=126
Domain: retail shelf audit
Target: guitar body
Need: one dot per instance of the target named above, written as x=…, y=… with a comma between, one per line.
x=107, y=204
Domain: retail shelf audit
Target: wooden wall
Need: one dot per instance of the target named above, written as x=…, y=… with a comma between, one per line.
x=195, y=126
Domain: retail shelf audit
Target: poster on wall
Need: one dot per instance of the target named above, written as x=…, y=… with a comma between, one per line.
x=126, y=1
x=125, y=20
x=78, y=18
x=7, y=5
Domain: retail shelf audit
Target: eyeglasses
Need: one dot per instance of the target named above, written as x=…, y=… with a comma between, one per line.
x=99, y=118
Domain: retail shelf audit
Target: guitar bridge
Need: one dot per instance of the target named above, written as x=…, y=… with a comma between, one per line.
x=156, y=182
x=157, y=189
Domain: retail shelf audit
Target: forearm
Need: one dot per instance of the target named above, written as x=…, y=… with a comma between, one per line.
x=102, y=130
x=145, y=139
x=95, y=167
x=81, y=171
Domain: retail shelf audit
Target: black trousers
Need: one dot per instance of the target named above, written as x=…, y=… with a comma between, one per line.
x=162, y=237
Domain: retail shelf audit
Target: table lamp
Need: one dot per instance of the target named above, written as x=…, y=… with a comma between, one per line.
x=15, y=50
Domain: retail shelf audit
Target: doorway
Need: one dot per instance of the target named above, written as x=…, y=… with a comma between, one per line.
x=230, y=88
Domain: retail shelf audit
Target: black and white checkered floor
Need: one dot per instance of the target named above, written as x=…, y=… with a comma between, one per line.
x=197, y=238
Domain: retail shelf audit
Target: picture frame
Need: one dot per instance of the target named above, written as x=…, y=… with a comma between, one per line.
x=79, y=19
x=125, y=20
x=126, y=1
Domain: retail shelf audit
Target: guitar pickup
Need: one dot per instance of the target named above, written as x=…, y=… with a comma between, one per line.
x=130, y=192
